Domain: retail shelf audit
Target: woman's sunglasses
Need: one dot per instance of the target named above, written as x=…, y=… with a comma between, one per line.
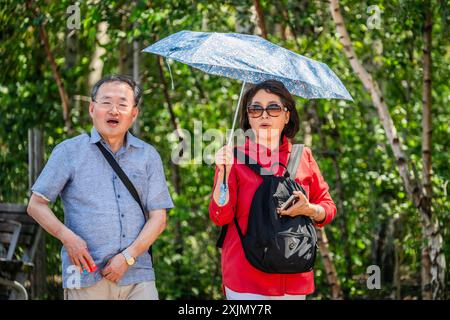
x=273, y=110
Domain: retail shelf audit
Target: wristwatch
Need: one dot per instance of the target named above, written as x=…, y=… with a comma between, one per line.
x=130, y=260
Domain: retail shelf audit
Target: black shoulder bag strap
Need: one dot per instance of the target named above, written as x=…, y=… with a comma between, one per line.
x=123, y=176
x=294, y=161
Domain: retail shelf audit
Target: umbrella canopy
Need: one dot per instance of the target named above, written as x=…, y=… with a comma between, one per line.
x=251, y=59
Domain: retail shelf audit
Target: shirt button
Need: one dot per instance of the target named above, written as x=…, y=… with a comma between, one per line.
x=118, y=196
x=123, y=235
x=122, y=215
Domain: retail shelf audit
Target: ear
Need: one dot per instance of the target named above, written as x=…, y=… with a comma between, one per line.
x=135, y=113
x=287, y=117
x=91, y=109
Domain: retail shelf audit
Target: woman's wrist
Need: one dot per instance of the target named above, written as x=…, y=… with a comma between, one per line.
x=319, y=214
x=222, y=172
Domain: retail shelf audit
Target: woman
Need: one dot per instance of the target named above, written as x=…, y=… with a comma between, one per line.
x=268, y=110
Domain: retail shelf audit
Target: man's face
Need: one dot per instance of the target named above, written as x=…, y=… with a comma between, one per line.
x=113, y=111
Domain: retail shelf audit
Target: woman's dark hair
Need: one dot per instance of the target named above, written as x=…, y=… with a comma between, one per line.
x=278, y=88
x=137, y=91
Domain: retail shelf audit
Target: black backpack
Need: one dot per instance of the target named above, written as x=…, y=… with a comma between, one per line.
x=273, y=243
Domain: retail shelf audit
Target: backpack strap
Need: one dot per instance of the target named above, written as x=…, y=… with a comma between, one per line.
x=251, y=163
x=296, y=153
x=294, y=160
x=242, y=158
x=223, y=233
x=291, y=170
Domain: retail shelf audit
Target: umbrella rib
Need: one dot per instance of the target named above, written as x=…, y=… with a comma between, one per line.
x=196, y=65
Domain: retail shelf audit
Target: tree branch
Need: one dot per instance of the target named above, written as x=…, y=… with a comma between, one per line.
x=260, y=18
x=62, y=92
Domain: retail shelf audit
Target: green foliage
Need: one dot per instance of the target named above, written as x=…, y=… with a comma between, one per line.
x=376, y=208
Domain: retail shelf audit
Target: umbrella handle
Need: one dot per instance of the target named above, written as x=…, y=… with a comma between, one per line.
x=170, y=73
x=235, y=115
x=223, y=187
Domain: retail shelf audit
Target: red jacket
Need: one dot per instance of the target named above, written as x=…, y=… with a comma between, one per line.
x=237, y=273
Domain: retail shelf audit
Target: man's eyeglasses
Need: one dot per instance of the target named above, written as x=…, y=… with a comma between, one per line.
x=109, y=105
x=273, y=110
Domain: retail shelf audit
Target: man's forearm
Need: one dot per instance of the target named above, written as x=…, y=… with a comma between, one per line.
x=152, y=229
x=40, y=212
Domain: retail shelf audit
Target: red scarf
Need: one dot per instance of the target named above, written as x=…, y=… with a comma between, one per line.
x=266, y=158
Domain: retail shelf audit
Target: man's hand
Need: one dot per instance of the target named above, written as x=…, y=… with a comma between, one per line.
x=78, y=251
x=115, y=268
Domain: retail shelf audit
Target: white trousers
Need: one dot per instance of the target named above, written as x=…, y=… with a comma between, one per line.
x=233, y=295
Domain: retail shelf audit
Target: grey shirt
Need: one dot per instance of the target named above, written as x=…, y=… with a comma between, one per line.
x=97, y=205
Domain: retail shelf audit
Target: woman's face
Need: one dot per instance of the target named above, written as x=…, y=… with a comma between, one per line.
x=270, y=124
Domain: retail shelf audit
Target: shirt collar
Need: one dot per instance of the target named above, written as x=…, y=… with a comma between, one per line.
x=130, y=140
x=95, y=136
x=133, y=141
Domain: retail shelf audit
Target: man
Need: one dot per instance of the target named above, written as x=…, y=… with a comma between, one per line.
x=105, y=234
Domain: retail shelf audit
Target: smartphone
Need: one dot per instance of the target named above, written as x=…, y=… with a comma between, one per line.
x=289, y=202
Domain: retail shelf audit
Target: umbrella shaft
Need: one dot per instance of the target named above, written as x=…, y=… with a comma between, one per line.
x=230, y=140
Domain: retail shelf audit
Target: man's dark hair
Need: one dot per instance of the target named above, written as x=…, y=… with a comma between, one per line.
x=137, y=90
x=277, y=88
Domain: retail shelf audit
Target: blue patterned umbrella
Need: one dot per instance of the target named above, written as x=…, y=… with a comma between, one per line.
x=251, y=59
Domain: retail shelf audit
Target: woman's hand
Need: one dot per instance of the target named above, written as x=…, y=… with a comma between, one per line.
x=224, y=157
x=302, y=206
